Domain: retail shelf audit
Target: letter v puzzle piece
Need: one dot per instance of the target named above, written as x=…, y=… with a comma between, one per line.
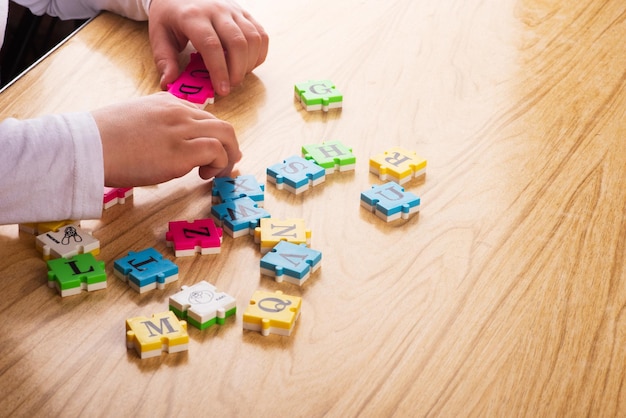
x=151, y=336
x=68, y=241
x=331, y=155
x=145, y=270
x=290, y=262
x=296, y=174
x=226, y=189
x=398, y=164
x=271, y=231
x=238, y=217
x=202, y=306
x=273, y=313
x=188, y=238
x=390, y=202
x=318, y=95
x=81, y=272
x=194, y=83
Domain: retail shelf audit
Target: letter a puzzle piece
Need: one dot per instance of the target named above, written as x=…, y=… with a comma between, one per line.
x=290, y=262
x=68, y=241
x=200, y=236
x=318, y=95
x=271, y=231
x=151, y=336
x=390, y=202
x=397, y=164
x=202, y=306
x=296, y=174
x=194, y=83
x=114, y=195
x=331, y=155
x=81, y=272
x=226, y=189
x=273, y=313
x=238, y=217
x=145, y=270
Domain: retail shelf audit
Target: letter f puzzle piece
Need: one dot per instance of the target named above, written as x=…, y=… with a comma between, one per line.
x=81, y=272
x=151, y=336
x=331, y=155
x=194, y=83
x=68, y=241
x=318, y=95
x=188, y=238
x=271, y=231
x=292, y=263
x=273, y=313
x=145, y=270
x=296, y=174
x=390, y=202
x=202, y=306
x=398, y=164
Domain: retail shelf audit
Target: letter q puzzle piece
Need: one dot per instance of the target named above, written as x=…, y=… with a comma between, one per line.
x=145, y=270
x=202, y=305
x=398, y=164
x=332, y=156
x=292, y=263
x=390, y=202
x=318, y=95
x=151, y=336
x=68, y=241
x=271, y=231
x=188, y=238
x=194, y=83
x=81, y=272
x=273, y=313
x=296, y=174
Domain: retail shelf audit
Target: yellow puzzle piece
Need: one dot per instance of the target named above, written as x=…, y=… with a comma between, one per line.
x=271, y=231
x=398, y=164
x=151, y=336
x=274, y=313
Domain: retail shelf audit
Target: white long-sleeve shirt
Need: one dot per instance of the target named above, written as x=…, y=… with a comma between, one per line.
x=52, y=166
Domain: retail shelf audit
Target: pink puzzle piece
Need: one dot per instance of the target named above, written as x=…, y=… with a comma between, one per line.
x=188, y=238
x=114, y=195
x=194, y=83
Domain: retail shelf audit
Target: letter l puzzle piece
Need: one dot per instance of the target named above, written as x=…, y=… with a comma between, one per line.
x=202, y=306
x=81, y=272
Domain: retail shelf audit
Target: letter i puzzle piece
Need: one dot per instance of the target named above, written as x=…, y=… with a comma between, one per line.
x=81, y=272
x=290, y=262
x=145, y=270
x=226, y=189
x=271, y=231
x=331, y=155
x=68, y=241
x=151, y=336
x=273, y=313
x=390, y=202
x=398, y=164
x=202, y=306
x=188, y=238
x=194, y=83
x=318, y=95
x=296, y=174
x=238, y=217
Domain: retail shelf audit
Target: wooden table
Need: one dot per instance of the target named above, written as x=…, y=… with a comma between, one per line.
x=506, y=296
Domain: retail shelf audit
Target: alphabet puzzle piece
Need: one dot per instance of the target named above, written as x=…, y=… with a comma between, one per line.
x=81, y=272
x=290, y=262
x=398, y=164
x=194, y=83
x=151, y=336
x=296, y=174
x=390, y=202
x=238, y=217
x=331, y=155
x=202, y=306
x=68, y=241
x=226, y=189
x=273, y=313
x=318, y=95
x=43, y=227
x=271, y=231
x=114, y=195
x=145, y=270
x=200, y=236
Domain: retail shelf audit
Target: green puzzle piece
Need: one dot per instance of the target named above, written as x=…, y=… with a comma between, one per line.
x=318, y=95
x=331, y=155
x=72, y=275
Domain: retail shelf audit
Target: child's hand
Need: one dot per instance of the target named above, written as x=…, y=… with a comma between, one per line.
x=230, y=41
x=159, y=137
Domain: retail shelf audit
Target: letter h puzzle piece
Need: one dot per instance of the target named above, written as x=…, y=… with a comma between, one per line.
x=296, y=174
x=331, y=155
x=145, y=270
x=200, y=236
x=151, y=336
x=202, y=306
x=318, y=95
x=398, y=164
x=194, y=83
x=68, y=241
x=292, y=263
x=271, y=231
x=274, y=313
x=226, y=189
x=390, y=202
x=81, y=272
x=238, y=217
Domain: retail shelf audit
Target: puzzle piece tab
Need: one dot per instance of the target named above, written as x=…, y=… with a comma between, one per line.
x=273, y=313
x=238, y=217
x=271, y=231
x=226, y=189
x=318, y=95
x=331, y=155
x=398, y=164
x=390, y=202
x=296, y=174
x=292, y=263
x=202, y=306
x=81, y=272
x=194, y=83
x=68, y=241
x=114, y=195
x=145, y=270
x=151, y=336
x=188, y=238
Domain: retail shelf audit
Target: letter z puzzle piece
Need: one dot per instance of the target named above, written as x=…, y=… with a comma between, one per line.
x=397, y=164
x=81, y=272
x=296, y=174
x=68, y=241
x=194, y=83
x=271, y=231
x=226, y=189
x=390, y=202
x=202, y=306
x=318, y=95
x=200, y=236
x=273, y=313
x=290, y=262
x=145, y=270
x=238, y=217
x=151, y=336
x=331, y=155
x=114, y=195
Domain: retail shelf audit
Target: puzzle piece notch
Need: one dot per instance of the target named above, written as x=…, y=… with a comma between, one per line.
x=296, y=174
x=68, y=241
x=332, y=156
x=390, y=202
x=194, y=83
x=238, y=217
x=318, y=95
x=290, y=262
x=152, y=336
x=114, y=195
x=145, y=270
x=201, y=305
x=81, y=272
x=271, y=231
x=398, y=164
x=188, y=238
x=272, y=313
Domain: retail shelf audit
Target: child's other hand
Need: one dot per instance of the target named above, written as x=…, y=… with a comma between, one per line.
x=156, y=138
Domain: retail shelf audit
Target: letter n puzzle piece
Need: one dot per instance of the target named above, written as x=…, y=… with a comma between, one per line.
x=318, y=95
x=226, y=189
x=68, y=241
x=151, y=336
x=390, y=202
x=145, y=270
x=331, y=155
x=194, y=83
x=188, y=238
x=271, y=231
x=274, y=313
x=398, y=164
x=238, y=217
x=114, y=195
x=296, y=174
x=202, y=306
x=81, y=272
x=290, y=262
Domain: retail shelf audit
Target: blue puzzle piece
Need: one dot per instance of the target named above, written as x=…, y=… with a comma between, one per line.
x=145, y=270
x=290, y=262
x=226, y=189
x=389, y=201
x=239, y=217
x=296, y=174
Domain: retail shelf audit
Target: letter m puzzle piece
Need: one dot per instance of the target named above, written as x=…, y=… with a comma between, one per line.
x=238, y=217
x=194, y=83
x=390, y=202
x=226, y=189
x=331, y=155
x=200, y=236
x=290, y=262
x=145, y=270
x=151, y=336
x=296, y=174
x=318, y=95
x=274, y=313
x=398, y=164
x=202, y=306
x=81, y=272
